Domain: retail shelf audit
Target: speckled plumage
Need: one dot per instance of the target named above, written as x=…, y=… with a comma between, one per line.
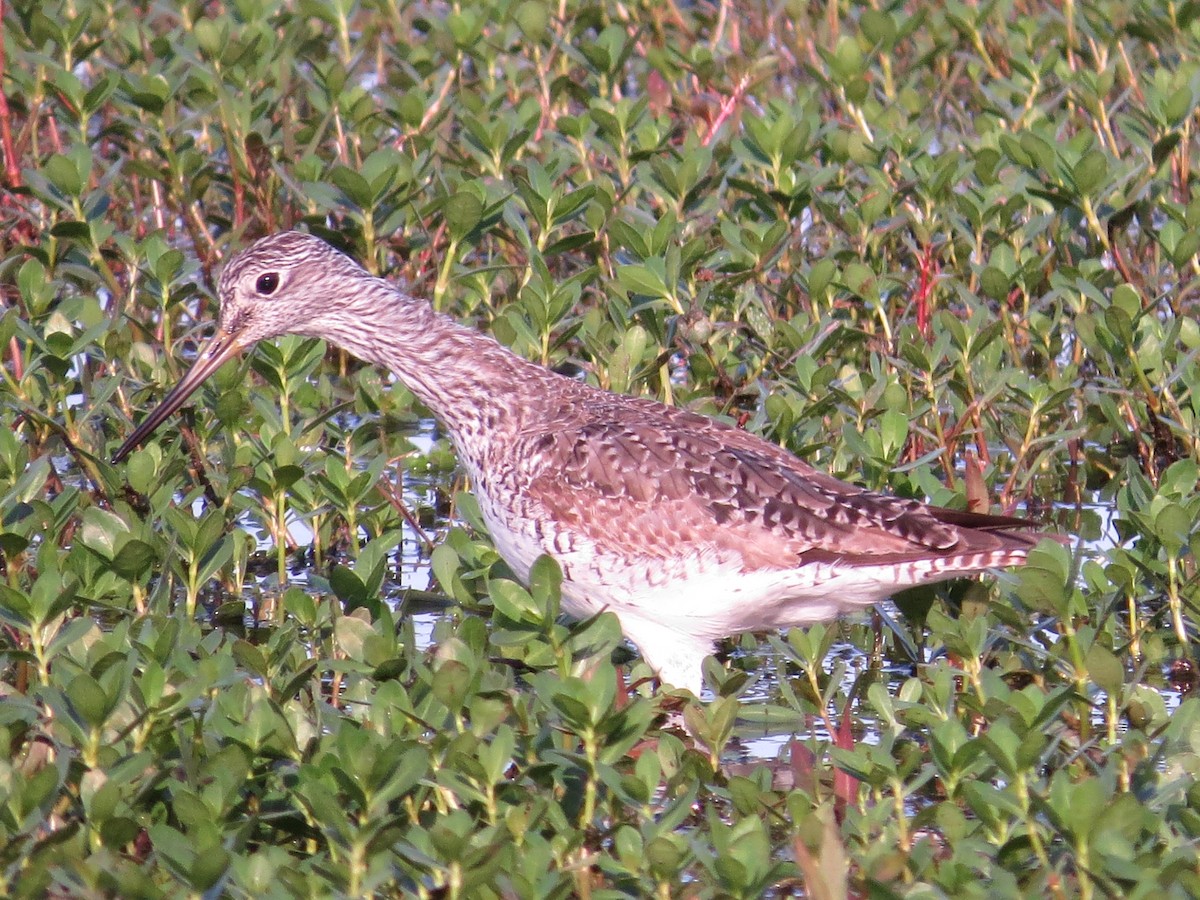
x=685, y=527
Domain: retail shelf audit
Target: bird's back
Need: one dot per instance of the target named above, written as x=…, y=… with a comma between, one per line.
x=633, y=496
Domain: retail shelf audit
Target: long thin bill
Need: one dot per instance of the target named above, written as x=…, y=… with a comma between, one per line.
x=220, y=349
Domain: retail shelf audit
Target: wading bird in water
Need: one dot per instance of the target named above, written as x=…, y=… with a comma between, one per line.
x=688, y=529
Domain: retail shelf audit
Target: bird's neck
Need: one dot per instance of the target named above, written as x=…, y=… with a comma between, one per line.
x=466, y=379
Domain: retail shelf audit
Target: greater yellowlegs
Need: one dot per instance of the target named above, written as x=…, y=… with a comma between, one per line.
x=687, y=528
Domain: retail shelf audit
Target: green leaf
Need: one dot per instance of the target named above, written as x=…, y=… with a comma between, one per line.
x=208, y=867
x=250, y=657
x=1090, y=172
x=545, y=584
x=879, y=28
x=88, y=699
x=1105, y=669
x=101, y=531
x=1173, y=526
x=513, y=601
x=995, y=283
x=451, y=682
x=351, y=634
x=64, y=175
x=348, y=586
x=354, y=186
x=820, y=276
x=134, y=559
x=447, y=568
x=532, y=18
x=893, y=427
x=463, y=212
x=1179, y=105
x=1040, y=152
x=641, y=279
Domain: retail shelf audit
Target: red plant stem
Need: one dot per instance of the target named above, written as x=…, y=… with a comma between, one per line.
x=12, y=172
x=926, y=273
x=18, y=362
x=845, y=785
x=727, y=108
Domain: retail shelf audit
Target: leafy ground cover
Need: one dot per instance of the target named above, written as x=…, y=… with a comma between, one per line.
x=948, y=250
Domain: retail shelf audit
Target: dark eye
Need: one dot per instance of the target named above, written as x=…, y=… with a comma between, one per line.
x=267, y=283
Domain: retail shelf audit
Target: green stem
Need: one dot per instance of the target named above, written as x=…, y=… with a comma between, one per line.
x=1035, y=838
x=1174, y=602
x=443, y=279
x=281, y=538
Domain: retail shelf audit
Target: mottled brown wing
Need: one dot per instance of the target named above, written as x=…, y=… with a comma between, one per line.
x=649, y=481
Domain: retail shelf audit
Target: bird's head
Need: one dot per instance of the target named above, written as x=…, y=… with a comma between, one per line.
x=287, y=283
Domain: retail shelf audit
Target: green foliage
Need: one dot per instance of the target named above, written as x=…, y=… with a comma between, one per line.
x=948, y=250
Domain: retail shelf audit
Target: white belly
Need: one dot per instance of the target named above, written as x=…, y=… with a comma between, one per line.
x=675, y=608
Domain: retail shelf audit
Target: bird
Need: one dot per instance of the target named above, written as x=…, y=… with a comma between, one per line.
x=687, y=528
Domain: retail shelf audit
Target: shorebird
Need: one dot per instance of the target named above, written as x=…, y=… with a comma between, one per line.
x=687, y=528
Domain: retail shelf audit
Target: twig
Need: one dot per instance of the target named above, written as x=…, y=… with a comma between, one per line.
x=393, y=497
